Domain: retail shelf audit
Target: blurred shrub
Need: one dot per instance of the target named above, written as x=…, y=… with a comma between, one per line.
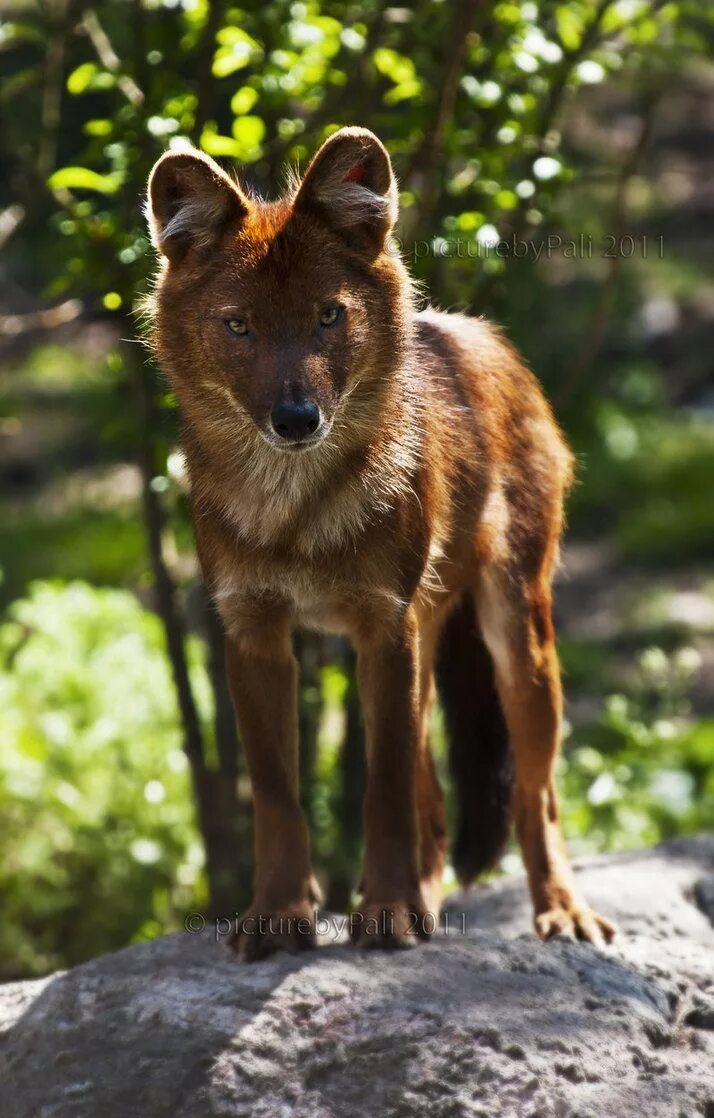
x=647, y=484
x=641, y=771
x=99, y=843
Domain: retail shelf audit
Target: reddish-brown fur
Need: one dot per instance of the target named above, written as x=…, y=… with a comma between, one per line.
x=441, y=474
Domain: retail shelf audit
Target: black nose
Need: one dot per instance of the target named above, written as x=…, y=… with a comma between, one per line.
x=295, y=421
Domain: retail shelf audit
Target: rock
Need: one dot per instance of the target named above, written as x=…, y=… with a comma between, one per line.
x=484, y=1021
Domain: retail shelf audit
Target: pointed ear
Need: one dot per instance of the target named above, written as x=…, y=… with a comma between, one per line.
x=190, y=202
x=349, y=184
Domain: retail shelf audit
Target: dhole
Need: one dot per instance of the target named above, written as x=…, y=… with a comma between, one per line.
x=362, y=467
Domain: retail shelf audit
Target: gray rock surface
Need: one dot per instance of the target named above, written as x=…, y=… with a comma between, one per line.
x=490, y=1022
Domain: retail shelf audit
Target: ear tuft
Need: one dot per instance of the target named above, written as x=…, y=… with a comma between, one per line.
x=190, y=202
x=349, y=184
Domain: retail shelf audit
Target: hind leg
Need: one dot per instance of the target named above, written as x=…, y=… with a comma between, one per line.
x=517, y=628
x=430, y=798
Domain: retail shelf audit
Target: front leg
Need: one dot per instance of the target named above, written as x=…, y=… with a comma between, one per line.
x=392, y=912
x=262, y=676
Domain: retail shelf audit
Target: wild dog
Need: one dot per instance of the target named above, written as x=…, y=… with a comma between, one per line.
x=396, y=475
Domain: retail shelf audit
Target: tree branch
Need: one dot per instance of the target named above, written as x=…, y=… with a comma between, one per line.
x=551, y=108
x=427, y=162
x=206, y=85
x=595, y=331
x=52, y=87
x=164, y=587
x=108, y=57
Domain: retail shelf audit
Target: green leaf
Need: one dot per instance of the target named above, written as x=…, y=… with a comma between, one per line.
x=214, y=144
x=81, y=78
x=12, y=34
x=249, y=132
x=99, y=127
x=243, y=100
x=236, y=50
x=394, y=66
x=569, y=25
x=81, y=178
x=405, y=91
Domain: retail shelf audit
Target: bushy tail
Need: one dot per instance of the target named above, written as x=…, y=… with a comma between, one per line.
x=479, y=756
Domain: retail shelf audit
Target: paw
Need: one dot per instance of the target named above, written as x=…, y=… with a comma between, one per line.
x=391, y=924
x=432, y=892
x=260, y=932
x=576, y=921
x=314, y=891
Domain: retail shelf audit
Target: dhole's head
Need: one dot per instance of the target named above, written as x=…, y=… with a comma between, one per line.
x=279, y=322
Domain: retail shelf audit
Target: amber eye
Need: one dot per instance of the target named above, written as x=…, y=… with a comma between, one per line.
x=237, y=326
x=330, y=315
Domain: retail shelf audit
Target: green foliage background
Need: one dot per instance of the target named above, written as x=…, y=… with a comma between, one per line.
x=513, y=122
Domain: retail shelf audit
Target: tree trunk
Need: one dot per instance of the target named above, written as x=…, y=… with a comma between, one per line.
x=215, y=792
